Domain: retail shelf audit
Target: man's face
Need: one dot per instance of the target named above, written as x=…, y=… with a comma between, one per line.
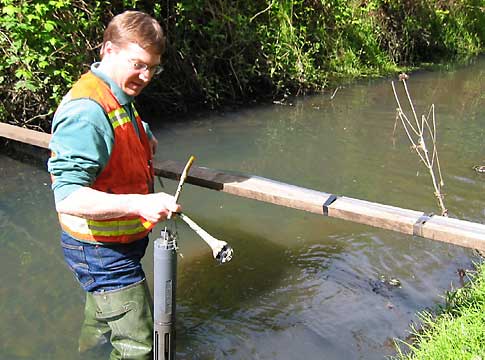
x=130, y=66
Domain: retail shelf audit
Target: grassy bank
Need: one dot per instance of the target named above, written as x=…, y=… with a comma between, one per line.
x=229, y=52
x=457, y=332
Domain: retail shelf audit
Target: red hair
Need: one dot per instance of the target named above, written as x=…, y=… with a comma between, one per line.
x=136, y=27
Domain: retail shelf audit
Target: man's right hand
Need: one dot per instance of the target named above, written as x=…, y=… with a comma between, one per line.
x=156, y=207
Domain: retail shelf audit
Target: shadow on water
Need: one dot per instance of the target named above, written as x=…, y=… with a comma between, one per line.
x=255, y=268
x=208, y=291
x=231, y=311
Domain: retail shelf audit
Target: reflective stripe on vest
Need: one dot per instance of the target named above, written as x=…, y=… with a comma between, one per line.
x=118, y=117
x=106, y=228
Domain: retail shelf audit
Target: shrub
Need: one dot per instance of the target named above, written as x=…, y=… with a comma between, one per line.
x=225, y=52
x=45, y=45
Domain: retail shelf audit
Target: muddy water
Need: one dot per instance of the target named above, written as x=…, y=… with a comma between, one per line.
x=300, y=286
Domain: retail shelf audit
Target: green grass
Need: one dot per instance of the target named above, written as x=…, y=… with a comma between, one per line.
x=457, y=331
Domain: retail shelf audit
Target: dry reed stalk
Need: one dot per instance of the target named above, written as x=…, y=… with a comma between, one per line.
x=417, y=131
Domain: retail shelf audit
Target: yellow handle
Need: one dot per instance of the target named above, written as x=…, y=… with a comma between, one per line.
x=149, y=225
x=183, y=176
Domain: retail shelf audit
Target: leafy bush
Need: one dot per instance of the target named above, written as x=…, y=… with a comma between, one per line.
x=224, y=52
x=431, y=31
x=44, y=48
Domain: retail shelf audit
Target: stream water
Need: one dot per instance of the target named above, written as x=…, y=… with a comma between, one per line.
x=300, y=286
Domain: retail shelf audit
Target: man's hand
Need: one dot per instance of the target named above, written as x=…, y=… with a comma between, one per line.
x=153, y=142
x=156, y=207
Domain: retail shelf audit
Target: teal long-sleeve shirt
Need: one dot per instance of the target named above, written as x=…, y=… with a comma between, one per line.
x=82, y=140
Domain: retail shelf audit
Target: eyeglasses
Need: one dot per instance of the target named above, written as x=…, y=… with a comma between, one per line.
x=142, y=67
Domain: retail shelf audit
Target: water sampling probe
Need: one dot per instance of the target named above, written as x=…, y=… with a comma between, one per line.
x=165, y=275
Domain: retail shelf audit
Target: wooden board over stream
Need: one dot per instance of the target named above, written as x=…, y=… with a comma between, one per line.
x=454, y=231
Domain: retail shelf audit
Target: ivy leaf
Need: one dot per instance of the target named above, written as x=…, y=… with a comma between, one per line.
x=22, y=73
x=10, y=10
x=49, y=25
x=25, y=85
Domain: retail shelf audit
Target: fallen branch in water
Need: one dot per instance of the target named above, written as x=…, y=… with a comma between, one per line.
x=418, y=130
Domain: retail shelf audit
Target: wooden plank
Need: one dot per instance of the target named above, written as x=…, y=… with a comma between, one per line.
x=25, y=135
x=374, y=214
x=253, y=187
x=445, y=229
x=454, y=231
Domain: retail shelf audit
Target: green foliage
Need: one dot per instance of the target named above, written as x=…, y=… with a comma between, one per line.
x=224, y=52
x=263, y=49
x=458, y=331
x=214, y=50
x=431, y=31
x=284, y=43
x=44, y=48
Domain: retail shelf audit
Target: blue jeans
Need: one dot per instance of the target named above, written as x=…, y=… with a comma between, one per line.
x=104, y=267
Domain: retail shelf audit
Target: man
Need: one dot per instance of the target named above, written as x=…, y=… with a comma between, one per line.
x=101, y=166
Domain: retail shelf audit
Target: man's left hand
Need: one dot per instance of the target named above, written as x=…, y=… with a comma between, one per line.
x=153, y=145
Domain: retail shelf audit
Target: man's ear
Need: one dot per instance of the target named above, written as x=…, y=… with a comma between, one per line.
x=107, y=48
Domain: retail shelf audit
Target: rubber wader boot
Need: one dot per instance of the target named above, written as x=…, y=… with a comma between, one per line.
x=94, y=332
x=128, y=313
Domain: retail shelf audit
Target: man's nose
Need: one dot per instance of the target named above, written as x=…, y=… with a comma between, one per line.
x=145, y=75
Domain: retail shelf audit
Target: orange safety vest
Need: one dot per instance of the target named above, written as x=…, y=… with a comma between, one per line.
x=129, y=169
